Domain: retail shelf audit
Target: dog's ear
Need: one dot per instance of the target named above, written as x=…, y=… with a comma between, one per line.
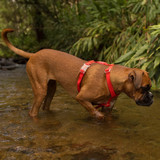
x=136, y=77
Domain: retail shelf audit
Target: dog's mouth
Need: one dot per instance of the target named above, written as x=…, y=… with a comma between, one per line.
x=146, y=100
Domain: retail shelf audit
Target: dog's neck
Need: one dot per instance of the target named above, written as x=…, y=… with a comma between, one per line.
x=118, y=79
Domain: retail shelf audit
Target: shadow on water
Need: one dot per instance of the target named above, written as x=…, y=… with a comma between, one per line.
x=130, y=132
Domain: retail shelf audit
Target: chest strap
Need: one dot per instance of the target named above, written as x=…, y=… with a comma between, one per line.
x=107, y=72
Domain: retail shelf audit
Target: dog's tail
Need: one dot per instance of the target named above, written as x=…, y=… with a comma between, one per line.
x=14, y=49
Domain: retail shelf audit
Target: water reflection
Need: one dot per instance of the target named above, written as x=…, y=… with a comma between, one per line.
x=68, y=132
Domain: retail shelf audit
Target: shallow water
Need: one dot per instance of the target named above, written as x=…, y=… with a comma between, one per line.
x=68, y=132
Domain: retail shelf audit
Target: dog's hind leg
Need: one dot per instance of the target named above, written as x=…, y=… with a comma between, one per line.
x=40, y=92
x=50, y=93
x=39, y=87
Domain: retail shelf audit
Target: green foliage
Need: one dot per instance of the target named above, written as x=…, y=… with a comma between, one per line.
x=94, y=43
x=100, y=31
x=123, y=35
x=42, y=23
x=116, y=31
x=146, y=55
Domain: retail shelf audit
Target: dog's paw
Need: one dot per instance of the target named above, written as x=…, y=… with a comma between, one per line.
x=31, y=114
x=98, y=115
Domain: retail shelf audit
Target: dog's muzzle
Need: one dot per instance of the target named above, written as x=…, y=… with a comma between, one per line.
x=146, y=100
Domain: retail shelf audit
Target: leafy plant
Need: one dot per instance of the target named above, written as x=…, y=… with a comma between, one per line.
x=116, y=31
x=95, y=41
x=146, y=55
x=126, y=38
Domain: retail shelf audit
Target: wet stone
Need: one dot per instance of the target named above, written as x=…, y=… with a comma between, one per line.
x=95, y=155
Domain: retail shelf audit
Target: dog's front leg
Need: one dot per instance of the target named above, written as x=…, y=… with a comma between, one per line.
x=95, y=113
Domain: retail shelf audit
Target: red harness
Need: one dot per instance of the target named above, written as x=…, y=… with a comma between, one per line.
x=107, y=71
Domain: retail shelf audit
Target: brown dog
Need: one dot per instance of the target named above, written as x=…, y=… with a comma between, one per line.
x=48, y=66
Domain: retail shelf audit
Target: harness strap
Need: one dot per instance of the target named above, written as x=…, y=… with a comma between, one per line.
x=82, y=72
x=109, y=83
x=107, y=71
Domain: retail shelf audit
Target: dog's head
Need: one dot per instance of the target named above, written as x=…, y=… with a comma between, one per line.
x=138, y=87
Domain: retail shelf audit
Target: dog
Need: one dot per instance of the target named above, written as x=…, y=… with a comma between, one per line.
x=47, y=67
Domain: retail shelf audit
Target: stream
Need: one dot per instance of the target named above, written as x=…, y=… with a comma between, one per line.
x=68, y=132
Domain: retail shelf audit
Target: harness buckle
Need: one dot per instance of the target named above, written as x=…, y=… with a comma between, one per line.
x=108, y=70
x=84, y=68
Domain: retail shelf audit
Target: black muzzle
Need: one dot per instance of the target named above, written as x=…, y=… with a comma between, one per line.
x=146, y=100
